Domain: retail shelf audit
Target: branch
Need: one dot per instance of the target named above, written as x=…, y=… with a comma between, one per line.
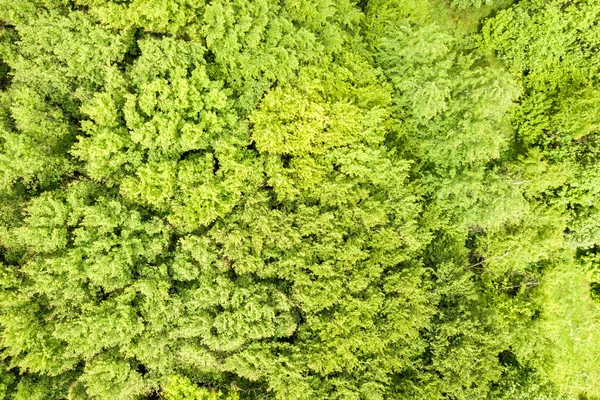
x=526, y=284
x=476, y=264
x=484, y=260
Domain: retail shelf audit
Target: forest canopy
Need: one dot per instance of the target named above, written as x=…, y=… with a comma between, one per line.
x=299, y=199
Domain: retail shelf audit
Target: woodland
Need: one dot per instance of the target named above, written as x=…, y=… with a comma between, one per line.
x=299, y=199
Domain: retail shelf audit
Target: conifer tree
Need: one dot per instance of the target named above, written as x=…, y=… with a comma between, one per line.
x=240, y=199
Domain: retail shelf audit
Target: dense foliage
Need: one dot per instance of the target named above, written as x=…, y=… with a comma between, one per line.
x=299, y=199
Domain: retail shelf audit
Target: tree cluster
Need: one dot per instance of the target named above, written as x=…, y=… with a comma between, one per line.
x=299, y=199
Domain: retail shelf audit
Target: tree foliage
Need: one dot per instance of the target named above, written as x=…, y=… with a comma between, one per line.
x=298, y=200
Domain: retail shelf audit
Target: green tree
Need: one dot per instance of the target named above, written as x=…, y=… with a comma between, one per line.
x=297, y=199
